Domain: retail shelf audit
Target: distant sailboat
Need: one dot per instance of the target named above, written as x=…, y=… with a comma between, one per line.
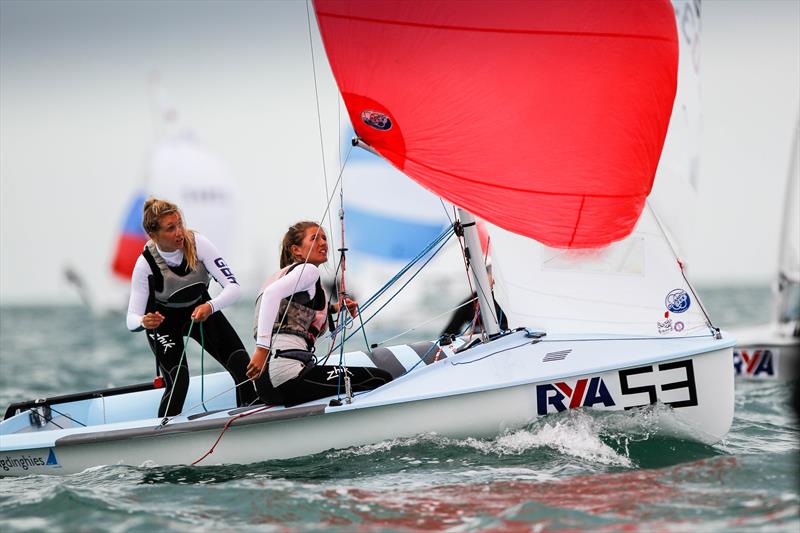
x=772, y=351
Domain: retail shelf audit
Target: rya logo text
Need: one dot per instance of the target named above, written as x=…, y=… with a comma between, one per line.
x=586, y=392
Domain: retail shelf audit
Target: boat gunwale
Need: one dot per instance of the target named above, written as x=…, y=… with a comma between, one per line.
x=189, y=426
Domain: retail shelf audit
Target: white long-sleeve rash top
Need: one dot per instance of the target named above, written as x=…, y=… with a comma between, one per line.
x=301, y=278
x=208, y=254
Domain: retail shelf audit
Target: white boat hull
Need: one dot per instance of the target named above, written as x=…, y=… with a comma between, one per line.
x=766, y=353
x=528, y=381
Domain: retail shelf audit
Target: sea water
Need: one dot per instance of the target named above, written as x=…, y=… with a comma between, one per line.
x=572, y=471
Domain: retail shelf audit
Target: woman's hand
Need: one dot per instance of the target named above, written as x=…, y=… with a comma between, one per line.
x=256, y=365
x=152, y=320
x=202, y=312
x=352, y=307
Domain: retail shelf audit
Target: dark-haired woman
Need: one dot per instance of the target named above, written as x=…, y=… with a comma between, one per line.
x=169, y=290
x=291, y=312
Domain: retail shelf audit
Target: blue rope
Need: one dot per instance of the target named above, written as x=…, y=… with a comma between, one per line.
x=363, y=329
x=364, y=323
x=444, y=236
x=421, y=359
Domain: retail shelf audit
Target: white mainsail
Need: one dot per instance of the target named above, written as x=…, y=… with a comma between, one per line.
x=674, y=197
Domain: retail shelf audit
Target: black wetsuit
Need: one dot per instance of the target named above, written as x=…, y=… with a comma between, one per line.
x=317, y=381
x=167, y=341
x=220, y=341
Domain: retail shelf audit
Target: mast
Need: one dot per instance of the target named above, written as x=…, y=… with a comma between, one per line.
x=472, y=245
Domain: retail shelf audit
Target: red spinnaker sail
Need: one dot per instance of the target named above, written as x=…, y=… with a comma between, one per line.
x=544, y=117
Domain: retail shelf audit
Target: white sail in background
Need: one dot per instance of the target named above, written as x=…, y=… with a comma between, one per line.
x=178, y=168
x=183, y=171
x=787, y=299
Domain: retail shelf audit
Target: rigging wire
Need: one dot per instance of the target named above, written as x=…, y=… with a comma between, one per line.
x=441, y=238
x=683, y=271
x=319, y=112
x=384, y=341
x=65, y=416
x=445, y=235
x=395, y=294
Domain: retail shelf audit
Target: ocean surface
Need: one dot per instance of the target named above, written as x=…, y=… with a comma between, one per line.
x=572, y=471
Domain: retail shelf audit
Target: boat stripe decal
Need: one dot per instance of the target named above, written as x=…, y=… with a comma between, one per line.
x=188, y=427
x=386, y=360
x=359, y=359
x=406, y=355
x=426, y=351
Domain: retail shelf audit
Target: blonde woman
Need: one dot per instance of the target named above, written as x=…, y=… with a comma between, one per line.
x=169, y=289
x=291, y=312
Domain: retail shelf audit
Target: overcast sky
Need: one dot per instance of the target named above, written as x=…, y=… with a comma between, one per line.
x=76, y=126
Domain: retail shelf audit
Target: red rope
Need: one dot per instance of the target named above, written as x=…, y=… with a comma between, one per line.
x=227, y=425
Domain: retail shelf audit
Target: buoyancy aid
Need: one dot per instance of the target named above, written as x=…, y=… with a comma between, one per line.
x=306, y=317
x=175, y=287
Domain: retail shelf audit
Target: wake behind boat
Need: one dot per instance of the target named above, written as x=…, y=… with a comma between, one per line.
x=559, y=153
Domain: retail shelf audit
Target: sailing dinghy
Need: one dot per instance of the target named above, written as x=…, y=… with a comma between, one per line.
x=772, y=351
x=545, y=119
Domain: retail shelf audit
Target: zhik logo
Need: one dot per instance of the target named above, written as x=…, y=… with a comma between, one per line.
x=586, y=392
x=164, y=340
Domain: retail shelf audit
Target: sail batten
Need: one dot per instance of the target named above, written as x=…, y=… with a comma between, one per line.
x=531, y=115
